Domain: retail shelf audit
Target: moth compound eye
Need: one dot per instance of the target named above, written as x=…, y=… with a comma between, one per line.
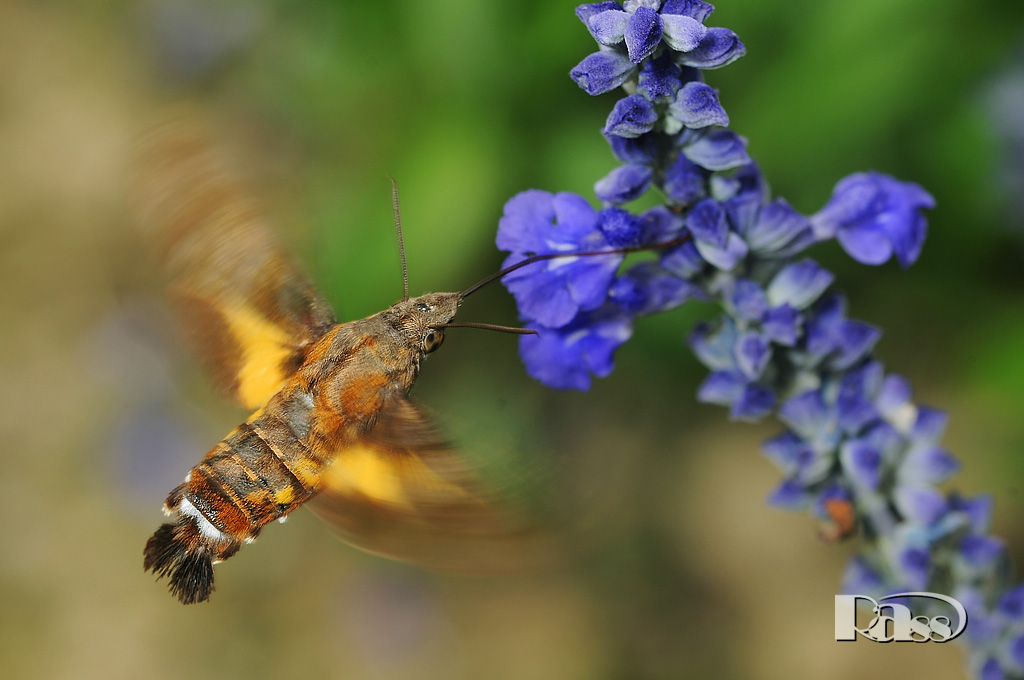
x=432, y=340
x=423, y=306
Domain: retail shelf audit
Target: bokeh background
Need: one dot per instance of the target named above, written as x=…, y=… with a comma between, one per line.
x=679, y=569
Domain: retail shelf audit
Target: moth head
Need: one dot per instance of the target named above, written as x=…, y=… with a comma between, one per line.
x=423, y=319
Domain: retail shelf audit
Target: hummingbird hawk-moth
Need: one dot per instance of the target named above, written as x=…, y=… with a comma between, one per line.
x=331, y=421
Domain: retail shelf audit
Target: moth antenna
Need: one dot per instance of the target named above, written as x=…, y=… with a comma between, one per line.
x=489, y=327
x=552, y=256
x=401, y=241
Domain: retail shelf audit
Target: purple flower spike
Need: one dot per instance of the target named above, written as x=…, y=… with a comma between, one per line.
x=631, y=116
x=564, y=358
x=696, y=106
x=624, y=183
x=643, y=33
x=875, y=216
x=602, y=71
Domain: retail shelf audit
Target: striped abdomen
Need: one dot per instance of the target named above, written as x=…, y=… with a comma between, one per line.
x=260, y=472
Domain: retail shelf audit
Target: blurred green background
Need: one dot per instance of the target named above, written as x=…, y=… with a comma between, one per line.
x=679, y=568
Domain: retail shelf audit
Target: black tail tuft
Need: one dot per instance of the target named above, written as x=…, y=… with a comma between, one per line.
x=178, y=552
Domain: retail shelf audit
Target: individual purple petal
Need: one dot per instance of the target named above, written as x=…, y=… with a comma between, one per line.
x=991, y=670
x=748, y=301
x=862, y=463
x=980, y=551
x=726, y=258
x=647, y=288
x=707, y=222
x=930, y=424
x=854, y=404
x=859, y=578
x=798, y=285
x=540, y=222
x=642, y=150
x=528, y=217
x=855, y=411
x=979, y=509
x=753, y=404
x=714, y=345
x=752, y=354
x=790, y=495
x=695, y=9
x=661, y=225
x=696, y=106
x=855, y=340
x=685, y=181
x=721, y=387
x=786, y=451
x=883, y=437
x=684, y=260
x=865, y=243
x=920, y=504
x=931, y=464
x=631, y=116
x=565, y=357
x=682, y=33
x=718, y=150
x=1011, y=604
x=781, y=325
x=620, y=227
x=643, y=33
x=624, y=183
x=744, y=192
x=1015, y=649
x=660, y=79
x=779, y=230
x=608, y=27
x=893, y=395
x=915, y=563
x=590, y=9
x=805, y=414
x=719, y=48
x=602, y=71
x=824, y=325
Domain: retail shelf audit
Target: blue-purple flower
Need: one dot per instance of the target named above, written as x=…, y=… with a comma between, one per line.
x=856, y=453
x=875, y=217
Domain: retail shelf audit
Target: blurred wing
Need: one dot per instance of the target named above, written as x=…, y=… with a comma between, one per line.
x=403, y=493
x=247, y=312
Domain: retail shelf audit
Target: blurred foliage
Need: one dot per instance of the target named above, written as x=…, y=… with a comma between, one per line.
x=466, y=103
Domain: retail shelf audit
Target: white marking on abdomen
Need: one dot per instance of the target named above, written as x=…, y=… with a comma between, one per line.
x=205, y=526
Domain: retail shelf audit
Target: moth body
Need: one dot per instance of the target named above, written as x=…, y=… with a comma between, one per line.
x=275, y=461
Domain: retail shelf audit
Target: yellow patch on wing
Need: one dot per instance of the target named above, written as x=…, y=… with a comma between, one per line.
x=265, y=349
